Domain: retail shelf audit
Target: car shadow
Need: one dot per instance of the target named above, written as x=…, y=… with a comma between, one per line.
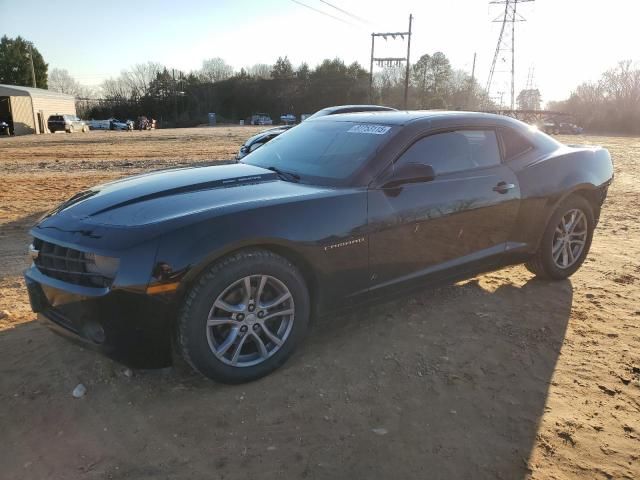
x=443, y=383
x=459, y=375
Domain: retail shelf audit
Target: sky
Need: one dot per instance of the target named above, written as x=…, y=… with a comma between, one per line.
x=563, y=42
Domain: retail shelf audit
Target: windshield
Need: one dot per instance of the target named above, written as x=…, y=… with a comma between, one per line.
x=322, y=152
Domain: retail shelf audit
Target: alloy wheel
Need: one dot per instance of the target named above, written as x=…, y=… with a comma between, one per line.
x=569, y=238
x=250, y=320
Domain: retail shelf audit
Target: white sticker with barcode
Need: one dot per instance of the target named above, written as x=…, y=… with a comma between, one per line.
x=371, y=129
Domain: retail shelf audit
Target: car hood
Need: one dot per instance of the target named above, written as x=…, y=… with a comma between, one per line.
x=175, y=194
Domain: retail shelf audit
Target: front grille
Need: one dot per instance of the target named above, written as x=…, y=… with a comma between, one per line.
x=67, y=264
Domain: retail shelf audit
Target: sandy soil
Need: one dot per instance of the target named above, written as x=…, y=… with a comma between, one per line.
x=502, y=376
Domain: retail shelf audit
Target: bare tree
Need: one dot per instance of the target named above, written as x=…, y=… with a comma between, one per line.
x=388, y=85
x=260, y=70
x=139, y=78
x=609, y=105
x=622, y=85
x=61, y=81
x=115, y=89
x=214, y=70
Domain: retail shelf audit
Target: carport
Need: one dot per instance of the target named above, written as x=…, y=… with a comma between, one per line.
x=26, y=110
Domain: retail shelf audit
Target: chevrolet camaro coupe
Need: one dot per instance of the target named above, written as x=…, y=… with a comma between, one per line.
x=225, y=265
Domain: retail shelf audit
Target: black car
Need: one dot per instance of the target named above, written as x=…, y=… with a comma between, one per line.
x=66, y=123
x=232, y=261
x=258, y=140
x=255, y=142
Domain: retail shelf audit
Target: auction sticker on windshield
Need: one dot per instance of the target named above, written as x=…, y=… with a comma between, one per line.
x=372, y=129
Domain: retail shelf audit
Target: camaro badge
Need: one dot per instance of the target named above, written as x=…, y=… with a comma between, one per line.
x=344, y=244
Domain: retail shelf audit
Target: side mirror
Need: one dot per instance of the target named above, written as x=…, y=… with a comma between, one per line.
x=410, y=173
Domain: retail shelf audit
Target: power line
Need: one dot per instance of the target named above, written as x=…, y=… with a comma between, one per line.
x=360, y=19
x=324, y=13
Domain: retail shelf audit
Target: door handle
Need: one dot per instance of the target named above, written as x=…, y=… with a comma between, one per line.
x=503, y=187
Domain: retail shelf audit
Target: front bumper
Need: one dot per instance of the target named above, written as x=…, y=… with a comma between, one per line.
x=130, y=327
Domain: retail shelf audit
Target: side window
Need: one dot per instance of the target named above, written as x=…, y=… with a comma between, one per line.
x=455, y=151
x=514, y=143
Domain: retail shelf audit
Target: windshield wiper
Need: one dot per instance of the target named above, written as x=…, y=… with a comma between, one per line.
x=287, y=176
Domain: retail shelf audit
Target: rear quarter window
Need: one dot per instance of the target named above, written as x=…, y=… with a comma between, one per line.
x=514, y=143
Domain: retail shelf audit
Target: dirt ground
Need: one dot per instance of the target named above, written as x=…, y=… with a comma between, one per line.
x=502, y=376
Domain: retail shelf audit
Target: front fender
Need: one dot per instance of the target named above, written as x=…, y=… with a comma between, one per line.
x=299, y=230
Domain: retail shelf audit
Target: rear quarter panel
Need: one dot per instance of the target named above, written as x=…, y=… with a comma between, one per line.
x=547, y=180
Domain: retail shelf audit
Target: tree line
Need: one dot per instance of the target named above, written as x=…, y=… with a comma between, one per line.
x=608, y=105
x=185, y=98
x=177, y=98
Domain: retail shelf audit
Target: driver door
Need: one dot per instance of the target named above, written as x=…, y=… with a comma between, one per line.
x=465, y=214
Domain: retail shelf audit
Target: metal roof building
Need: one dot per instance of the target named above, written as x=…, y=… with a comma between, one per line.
x=26, y=109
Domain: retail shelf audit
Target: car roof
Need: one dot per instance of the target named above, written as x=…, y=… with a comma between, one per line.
x=404, y=117
x=351, y=108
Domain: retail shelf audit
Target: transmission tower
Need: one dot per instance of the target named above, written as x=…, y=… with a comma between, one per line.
x=531, y=78
x=506, y=46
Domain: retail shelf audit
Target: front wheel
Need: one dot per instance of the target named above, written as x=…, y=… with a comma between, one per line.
x=244, y=317
x=566, y=241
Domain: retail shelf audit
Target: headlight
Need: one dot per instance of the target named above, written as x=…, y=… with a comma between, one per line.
x=101, y=265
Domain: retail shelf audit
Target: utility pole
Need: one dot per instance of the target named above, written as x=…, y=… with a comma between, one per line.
x=175, y=98
x=472, y=81
x=508, y=48
x=33, y=70
x=391, y=61
x=513, y=54
x=406, y=78
x=373, y=39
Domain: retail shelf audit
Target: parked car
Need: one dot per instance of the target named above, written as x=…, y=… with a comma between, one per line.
x=231, y=261
x=350, y=109
x=288, y=119
x=115, y=124
x=567, y=128
x=98, y=124
x=66, y=123
x=110, y=124
x=4, y=128
x=260, y=139
x=261, y=119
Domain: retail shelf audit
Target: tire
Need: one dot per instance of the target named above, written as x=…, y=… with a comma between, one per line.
x=543, y=264
x=196, y=339
x=70, y=129
x=85, y=129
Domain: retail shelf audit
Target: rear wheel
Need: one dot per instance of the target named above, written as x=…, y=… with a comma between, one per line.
x=566, y=241
x=70, y=130
x=244, y=317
